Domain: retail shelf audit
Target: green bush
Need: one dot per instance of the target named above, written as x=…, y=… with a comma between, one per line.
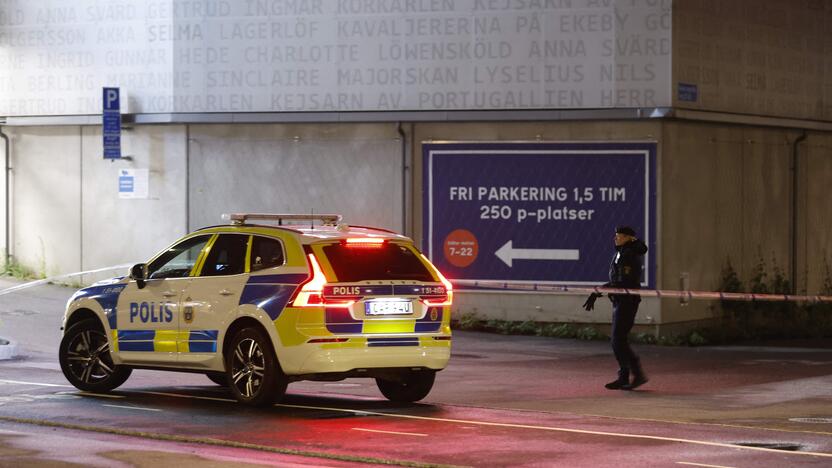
x=696, y=339
x=18, y=271
x=589, y=334
x=644, y=338
x=555, y=330
x=468, y=321
x=528, y=328
x=758, y=320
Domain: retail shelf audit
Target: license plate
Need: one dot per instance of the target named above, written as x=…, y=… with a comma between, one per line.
x=388, y=308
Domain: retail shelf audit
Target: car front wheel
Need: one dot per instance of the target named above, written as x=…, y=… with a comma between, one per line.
x=254, y=374
x=85, y=359
x=410, y=387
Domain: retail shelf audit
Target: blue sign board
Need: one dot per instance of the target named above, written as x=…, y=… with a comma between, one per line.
x=126, y=182
x=688, y=92
x=536, y=212
x=111, y=123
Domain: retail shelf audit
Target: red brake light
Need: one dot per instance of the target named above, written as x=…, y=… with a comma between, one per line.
x=449, y=289
x=311, y=292
x=364, y=242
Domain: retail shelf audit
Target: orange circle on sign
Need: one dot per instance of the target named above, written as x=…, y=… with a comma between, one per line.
x=461, y=248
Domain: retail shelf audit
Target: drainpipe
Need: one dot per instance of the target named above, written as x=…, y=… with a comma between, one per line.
x=795, y=181
x=8, y=169
x=403, y=139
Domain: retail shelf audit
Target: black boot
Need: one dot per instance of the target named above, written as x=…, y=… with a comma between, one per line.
x=622, y=381
x=639, y=378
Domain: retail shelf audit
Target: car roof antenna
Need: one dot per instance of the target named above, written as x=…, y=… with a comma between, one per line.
x=312, y=221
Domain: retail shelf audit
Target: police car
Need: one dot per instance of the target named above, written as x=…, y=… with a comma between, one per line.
x=257, y=306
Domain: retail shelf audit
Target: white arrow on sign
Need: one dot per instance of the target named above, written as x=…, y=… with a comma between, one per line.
x=507, y=254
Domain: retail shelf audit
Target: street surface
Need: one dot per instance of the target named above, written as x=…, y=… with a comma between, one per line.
x=503, y=401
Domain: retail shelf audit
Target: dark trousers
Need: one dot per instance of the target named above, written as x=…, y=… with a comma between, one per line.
x=623, y=316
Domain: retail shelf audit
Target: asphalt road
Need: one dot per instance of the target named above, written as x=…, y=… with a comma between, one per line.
x=502, y=401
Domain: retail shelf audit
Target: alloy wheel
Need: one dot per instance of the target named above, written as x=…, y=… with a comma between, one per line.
x=88, y=356
x=247, y=367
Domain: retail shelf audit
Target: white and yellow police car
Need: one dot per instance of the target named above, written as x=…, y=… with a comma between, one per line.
x=257, y=306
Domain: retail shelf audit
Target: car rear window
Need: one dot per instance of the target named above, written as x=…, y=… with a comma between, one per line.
x=389, y=261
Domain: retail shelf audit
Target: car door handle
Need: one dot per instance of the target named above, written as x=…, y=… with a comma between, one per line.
x=169, y=293
x=226, y=292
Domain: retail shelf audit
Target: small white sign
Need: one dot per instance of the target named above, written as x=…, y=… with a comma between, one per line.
x=132, y=183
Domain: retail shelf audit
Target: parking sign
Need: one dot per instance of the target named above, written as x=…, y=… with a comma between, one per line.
x=536, y=212
x=111, y=123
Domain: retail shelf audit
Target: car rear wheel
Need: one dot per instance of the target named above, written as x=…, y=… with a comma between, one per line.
x=85, y=359
x=253, y=373
x=412, y=386
x=219, y=378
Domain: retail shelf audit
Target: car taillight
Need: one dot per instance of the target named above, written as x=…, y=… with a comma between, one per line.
x=364, y=242
x=311, y=293
x=449, y=289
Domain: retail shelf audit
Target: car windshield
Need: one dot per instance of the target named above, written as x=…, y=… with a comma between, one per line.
x=388, y=261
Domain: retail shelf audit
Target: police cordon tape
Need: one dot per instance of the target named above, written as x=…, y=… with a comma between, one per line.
x=661, y=294
x=52, y=279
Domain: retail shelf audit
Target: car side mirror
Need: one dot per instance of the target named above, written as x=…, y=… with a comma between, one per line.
x=139, y=273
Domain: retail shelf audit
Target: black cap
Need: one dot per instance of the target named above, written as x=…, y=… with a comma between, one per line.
x=625, y=230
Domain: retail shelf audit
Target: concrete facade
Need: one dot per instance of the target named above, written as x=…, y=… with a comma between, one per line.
x=756, y=57
x=725, y=193
x=66, y=214
x=45, y=184
x=732, y=184
x=354, y=170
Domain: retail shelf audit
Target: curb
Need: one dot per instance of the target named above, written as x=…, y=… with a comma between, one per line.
x=8, y=349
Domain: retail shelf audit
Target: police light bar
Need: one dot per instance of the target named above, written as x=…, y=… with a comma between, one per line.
x=241, y=218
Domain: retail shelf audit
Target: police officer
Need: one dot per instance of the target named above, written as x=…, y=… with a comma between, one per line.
x=625, y=273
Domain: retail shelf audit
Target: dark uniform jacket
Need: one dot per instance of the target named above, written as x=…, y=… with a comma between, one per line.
x=625, y=268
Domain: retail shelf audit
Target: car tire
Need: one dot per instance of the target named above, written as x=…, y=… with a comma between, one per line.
x=253, y=372
x=412, y=386
x=84, y=355
x=219, y=378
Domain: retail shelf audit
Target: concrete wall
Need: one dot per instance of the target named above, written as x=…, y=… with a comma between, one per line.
x=46, y=194
x=66, y=213
x=726, y=196
x=117, y=230
x=3, y=207
x=814, y=239
x=761, y=57
x=351, y=169
x=724, y=191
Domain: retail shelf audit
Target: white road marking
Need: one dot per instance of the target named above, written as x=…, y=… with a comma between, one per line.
x=132, y=407
x=101, y=395
x=702, y=464
x=689, y=423
x=389, y=432
x=485, y=423
x=561, y=429
x=18, y=382
x=179, y=395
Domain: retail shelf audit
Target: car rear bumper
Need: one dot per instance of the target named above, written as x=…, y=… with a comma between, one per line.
x=369, y=353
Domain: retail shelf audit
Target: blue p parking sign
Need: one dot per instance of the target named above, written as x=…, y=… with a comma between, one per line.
x=536, y=212
x=111, y=123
